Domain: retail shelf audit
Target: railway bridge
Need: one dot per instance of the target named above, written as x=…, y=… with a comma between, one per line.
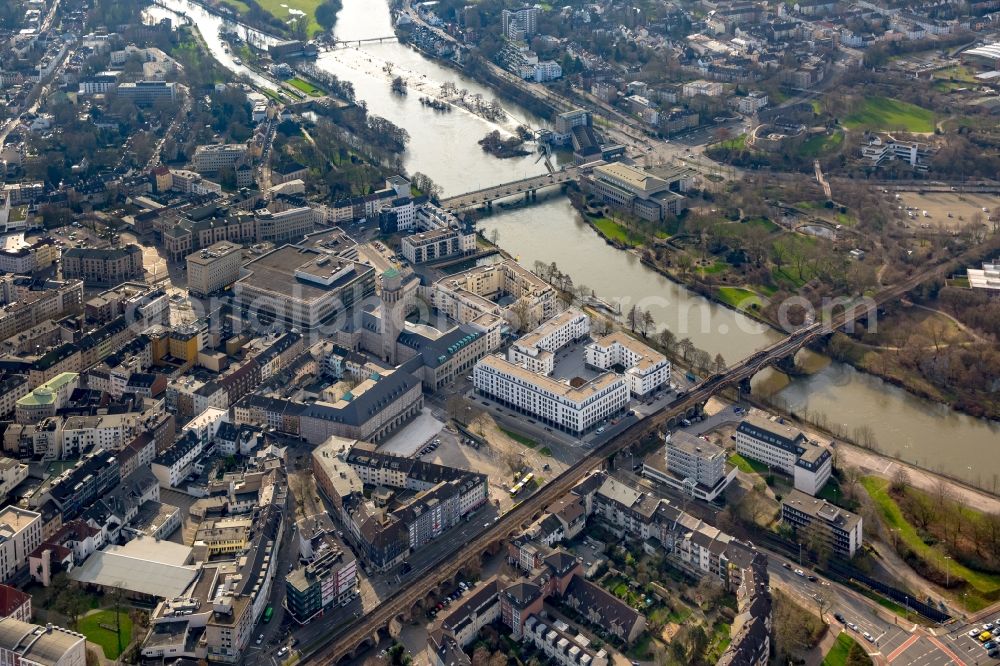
x=366, y=631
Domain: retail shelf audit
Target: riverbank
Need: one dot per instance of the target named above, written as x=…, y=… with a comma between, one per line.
x=748, y=300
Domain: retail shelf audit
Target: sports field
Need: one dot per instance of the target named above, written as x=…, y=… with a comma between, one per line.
x=885, y=113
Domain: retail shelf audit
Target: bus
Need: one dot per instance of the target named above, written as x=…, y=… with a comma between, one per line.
x=522, y=484
x=268, y=612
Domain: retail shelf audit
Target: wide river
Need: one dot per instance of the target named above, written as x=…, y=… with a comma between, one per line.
x=443, y=146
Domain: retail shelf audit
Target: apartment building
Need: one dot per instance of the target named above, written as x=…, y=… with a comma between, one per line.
x=536, y=350
x=328, y=579
x=691, y=465
x=147, y=93
x=572, y=407
x=437, y=244
x=47, y=398
x=12, y=473
x=39, y=255
x=33, y=645
x=785, y=448
x=24, y=309
x=287, y=226
x=470, y=294
x=702, y=87
x=214, y=157
x=174, y=465
x=20, y=534
x=562, y=645
x=14, y=603
x=103, y=267
x=646, y=370
x=214, y=268
x=841, y=529
x=693, y=458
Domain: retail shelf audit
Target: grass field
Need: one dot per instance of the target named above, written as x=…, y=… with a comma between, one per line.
x=617, y=232
x=821, y=144
x=763, y=223
x=520, y=439
x=90, y=626
x=747, y=465
x=985, y=584
x=837, y=656
x=282, y=12
x=305, y=87
x=886, y=113
x=238, y=5
x=738, y=297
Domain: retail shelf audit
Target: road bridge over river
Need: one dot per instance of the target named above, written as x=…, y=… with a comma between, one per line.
x=526, y=186
x=407, y=602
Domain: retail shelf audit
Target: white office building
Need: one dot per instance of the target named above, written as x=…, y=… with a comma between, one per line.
x=787, y=449
x=572, y=407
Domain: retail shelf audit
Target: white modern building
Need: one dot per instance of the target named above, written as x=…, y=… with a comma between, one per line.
x=572, y=407
x=843, y=530
x=212, y=158
x=536, y=350
x=20, y=534
x=787, y=449
x=645, y=369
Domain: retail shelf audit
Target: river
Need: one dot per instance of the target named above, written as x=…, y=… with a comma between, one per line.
x=443, y=146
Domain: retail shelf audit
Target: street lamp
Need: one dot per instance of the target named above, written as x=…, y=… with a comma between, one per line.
x=947, y=572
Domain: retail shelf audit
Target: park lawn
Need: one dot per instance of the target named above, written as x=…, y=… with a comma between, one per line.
x=545, y=451
x=747, y=465
x=90, y=626
x=520, y=439
x=817, y=106
x=736, y=143
x=763, y=223
x=305, y=87
x=837, y=656
x=715, y=268
x=739, y=298
x=956, y=73
x=821, y=144
x=886, y=113
x=238, y=5
x=986, y=584
x=617, y=232
x=279, y=8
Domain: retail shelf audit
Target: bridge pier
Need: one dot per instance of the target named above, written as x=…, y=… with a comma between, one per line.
x=744, y=386
x=786, y=364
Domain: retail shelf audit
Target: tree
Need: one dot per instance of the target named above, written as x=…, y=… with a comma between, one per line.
x=685, y=346
x=720, y=364
x=900, y=480
x=633, y=318
x=667, y=340
x=646, y=323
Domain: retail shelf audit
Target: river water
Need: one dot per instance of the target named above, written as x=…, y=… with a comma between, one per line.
x=443, y=146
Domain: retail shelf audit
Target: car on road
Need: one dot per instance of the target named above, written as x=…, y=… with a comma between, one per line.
x=283, y=651
x=812, y=579
x=868, y=637
x=852, y=626
x=838, y=617
x=260, y=639
x=799, y=572
x=786, y=565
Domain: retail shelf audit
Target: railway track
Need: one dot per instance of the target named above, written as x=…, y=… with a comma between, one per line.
x=448, y=565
